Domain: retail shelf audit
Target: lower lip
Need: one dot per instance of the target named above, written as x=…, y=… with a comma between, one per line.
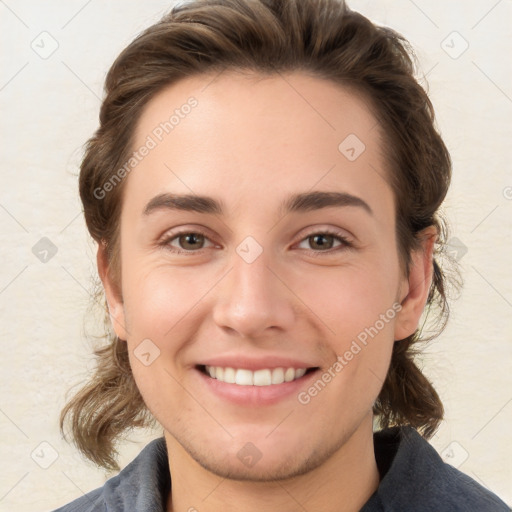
x=256, y=395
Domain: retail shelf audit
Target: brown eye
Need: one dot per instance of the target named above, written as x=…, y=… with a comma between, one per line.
x=190, y=241
x=325, y=242
x=321, y=241
x=186, y=242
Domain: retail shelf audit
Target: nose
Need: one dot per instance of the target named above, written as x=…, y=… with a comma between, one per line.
x=254, y=299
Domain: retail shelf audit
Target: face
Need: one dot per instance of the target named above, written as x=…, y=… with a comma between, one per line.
x=260, y=320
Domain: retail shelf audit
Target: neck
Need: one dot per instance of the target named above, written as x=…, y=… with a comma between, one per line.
x=343, y=483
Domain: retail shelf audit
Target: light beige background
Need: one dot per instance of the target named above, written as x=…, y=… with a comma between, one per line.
x=49, y=107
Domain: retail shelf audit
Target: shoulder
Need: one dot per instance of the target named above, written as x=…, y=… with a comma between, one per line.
x=142, y=485
x=91, y=502
x=416, y=478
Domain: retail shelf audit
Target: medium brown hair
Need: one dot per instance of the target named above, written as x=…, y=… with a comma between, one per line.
x=327, y=40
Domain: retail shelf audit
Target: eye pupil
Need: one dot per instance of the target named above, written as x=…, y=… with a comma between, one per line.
x=315, y=240
x=191, y=239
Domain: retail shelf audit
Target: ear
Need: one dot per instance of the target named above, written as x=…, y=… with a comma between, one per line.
x=112, y=292
x=416, y=287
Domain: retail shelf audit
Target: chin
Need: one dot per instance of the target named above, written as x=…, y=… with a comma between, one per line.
x=269, y=471
x=249, y=463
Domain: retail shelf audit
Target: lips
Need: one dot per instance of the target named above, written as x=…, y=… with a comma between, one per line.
x=250, y=381
x=264, y=385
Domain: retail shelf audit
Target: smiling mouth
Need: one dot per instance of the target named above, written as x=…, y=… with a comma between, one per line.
x=263, y=377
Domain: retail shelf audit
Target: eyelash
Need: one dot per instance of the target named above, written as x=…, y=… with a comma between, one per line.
x=344, y=241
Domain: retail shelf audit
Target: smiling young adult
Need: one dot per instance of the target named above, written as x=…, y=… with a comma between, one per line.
x=264, y=190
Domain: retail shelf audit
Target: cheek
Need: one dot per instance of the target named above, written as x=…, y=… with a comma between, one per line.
x=351, y=299
x=160, y=307
x=157, y=299
x=360, y=311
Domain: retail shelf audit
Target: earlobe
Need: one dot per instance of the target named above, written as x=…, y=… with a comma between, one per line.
x=417, y=284
x=112, y=293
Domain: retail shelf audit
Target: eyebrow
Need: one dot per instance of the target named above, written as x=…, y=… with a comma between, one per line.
x=303, y=202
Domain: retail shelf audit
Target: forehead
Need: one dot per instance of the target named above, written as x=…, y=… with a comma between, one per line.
x=252, y=136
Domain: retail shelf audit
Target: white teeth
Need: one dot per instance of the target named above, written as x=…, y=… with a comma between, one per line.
x=265, y=377
x=262, y=378
x=244, y=378
x=229, y=375
x=277, y=376
x=289, y=374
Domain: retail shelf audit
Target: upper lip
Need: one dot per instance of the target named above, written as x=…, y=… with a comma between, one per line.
x=256, y=363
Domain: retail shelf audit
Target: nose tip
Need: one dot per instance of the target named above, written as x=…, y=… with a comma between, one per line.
x=253, y=300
